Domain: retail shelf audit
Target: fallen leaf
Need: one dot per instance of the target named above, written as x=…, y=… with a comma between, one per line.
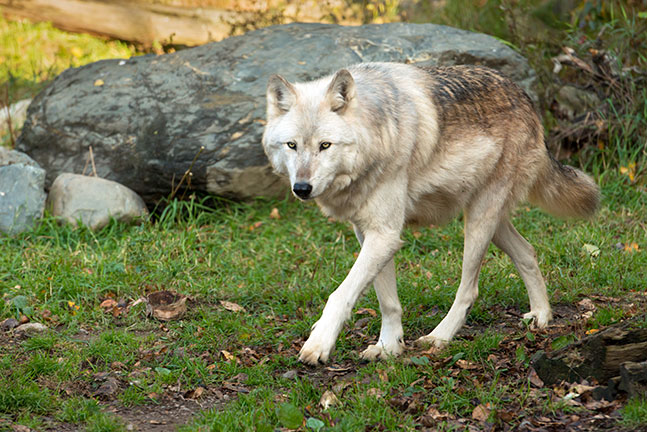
x=231, y=306
x=481, y=412
x=195, y=393
x=328, y=399
x=274, y=214
x=464, y=364
x=631, y=247
x=366, y=311
x=592, y=331
x=165, y=305
x=592, y=250
x=437, y=415
x=255, y=225
x=289, y=416
x=534, y=378
x=98, y=83
x=227, y=355
x=108, y=304
x=375, y=392
x=586, y=304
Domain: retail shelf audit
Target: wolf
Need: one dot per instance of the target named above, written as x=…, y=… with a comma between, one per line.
x=386, y=145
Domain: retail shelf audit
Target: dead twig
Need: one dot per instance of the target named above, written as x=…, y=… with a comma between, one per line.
x=187, y=174
x=7, y=103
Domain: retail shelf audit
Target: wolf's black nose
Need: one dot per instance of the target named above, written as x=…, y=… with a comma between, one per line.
x=302, y=190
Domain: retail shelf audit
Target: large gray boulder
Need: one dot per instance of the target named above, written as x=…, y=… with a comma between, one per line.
x=146, y=118
x=22, y=195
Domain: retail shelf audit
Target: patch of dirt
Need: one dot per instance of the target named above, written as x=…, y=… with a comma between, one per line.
x=171, y=412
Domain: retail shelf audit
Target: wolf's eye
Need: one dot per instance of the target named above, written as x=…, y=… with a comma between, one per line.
x=291, y=144
x=324, y=145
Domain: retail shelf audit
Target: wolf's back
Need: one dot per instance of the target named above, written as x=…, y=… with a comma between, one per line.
x=564, y=191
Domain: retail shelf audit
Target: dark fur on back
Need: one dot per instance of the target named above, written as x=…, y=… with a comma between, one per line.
x=469, y=93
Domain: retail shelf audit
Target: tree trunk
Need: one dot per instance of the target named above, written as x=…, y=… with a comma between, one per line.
x=139, y=22
x=599, y=356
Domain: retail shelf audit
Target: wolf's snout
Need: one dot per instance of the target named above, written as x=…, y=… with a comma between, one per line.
x=302, y=189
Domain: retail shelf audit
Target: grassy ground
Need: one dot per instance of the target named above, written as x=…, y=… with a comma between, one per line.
x=101, y=368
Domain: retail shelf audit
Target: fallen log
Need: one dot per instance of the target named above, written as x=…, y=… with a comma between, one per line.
x=616, y=356
x=140, y=22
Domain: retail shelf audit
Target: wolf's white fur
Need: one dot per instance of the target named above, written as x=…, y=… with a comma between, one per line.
x=418, y=146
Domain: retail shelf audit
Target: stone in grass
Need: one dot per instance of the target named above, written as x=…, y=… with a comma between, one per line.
x=22, y=195
x=93, y=201
x=30, y=328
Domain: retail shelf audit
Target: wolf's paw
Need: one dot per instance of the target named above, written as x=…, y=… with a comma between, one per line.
x=381, y=351
x=431, y=341
x=539, y=319
x=316, y=350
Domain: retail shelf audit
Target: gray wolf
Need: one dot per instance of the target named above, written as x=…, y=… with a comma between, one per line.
x=384, y=145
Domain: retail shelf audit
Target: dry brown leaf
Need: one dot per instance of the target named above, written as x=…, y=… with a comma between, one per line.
x=328, y=399
x=231, y=306
x=195, y=393
x=227, y=355
x=534, y=379
x=375, y=392
x=108, y=304
x=274, y=214
x=166, y=305
x=366, y=311
x=586, y=304
x=481, y=412
x=437, y=415
x=255, y=225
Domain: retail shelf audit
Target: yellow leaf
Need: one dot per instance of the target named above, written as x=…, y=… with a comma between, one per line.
x=590, y=332
x=76, y=52
x=98, y=83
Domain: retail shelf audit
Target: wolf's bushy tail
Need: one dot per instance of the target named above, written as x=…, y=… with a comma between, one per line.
x=564, y=191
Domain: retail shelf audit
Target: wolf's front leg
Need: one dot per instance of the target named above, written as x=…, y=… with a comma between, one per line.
x=390, y=341
x=377, y=250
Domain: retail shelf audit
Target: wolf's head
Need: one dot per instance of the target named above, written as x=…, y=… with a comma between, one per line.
x=308, y=136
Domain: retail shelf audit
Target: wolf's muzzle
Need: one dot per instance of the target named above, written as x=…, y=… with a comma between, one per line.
x=302, y=190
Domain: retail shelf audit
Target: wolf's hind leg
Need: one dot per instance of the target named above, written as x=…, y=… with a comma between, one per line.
x=480, y=224
x=390, y=341
x=523, y=255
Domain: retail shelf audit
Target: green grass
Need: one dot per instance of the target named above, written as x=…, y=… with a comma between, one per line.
x=635, y=412
x=281, y=272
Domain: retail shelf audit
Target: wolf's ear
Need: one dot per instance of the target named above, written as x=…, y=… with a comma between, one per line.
x=281, y=95
x=341, y=90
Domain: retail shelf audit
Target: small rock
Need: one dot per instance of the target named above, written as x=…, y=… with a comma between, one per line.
x=30, y=328
x=291, y=374
x=108, y=388
x=22, y=195
x=93, y=201
x=9, y=324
